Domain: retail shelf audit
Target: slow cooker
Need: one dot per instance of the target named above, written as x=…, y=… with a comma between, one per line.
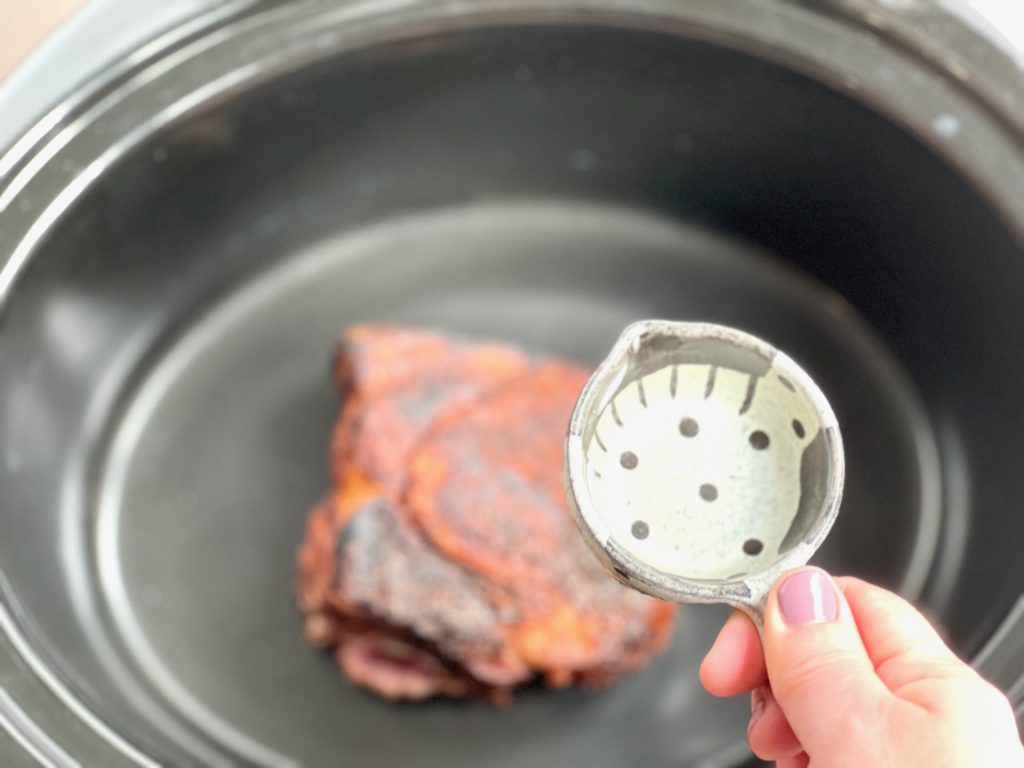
x=183, y=234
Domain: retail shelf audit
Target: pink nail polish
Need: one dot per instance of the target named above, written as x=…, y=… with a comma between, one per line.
x=808, y=597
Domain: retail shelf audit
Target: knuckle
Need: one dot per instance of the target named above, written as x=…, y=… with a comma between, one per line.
x=833, y=668
x=909, y=673
x=946, y=668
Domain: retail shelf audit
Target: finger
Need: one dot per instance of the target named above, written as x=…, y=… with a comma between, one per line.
x=915, y=664
x=903, y=646
x=735, y=663
x=769, y=734
x=797, y=761
x=819, y=669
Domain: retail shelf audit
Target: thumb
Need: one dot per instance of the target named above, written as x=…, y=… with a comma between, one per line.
x=819, y=670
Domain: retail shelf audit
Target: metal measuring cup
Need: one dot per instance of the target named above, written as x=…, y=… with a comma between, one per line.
x=701, y=463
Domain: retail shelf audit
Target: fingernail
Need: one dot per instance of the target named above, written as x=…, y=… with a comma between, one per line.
x=808, y=597
x=758, y=700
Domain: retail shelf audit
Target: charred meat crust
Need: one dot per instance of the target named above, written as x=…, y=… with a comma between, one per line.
x=444, y=562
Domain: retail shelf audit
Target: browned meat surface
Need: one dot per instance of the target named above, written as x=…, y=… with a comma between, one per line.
x=444, y=562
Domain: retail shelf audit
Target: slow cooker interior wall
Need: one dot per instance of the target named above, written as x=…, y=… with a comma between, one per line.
x=682, y=127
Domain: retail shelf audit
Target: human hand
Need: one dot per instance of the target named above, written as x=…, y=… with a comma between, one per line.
x=855, y=676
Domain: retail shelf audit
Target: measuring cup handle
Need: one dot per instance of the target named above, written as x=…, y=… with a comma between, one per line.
x=755, y=610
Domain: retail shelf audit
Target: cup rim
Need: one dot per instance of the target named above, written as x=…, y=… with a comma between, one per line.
x=746, y=592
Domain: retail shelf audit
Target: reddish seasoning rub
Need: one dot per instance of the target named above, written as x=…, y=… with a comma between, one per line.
x=444, y=561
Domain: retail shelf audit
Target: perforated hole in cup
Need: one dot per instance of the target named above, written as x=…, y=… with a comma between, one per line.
x=733, y=473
